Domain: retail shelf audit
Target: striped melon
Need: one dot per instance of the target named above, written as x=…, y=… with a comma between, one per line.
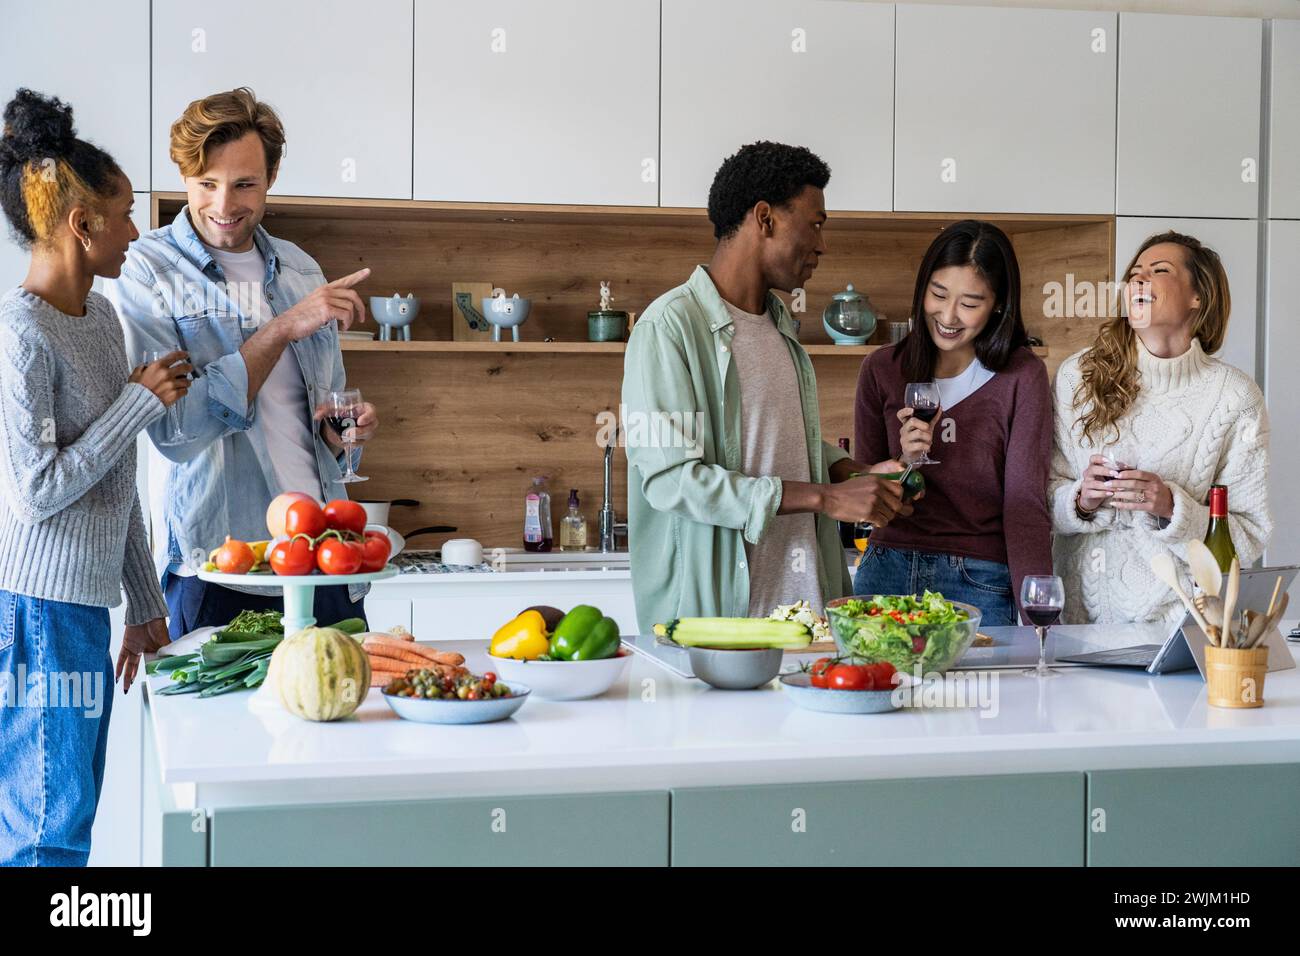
x=320, y=673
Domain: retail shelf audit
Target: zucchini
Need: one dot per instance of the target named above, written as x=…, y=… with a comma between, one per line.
x=738, y=632
x=352, y=625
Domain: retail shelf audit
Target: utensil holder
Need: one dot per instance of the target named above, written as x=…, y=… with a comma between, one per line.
x=1235, y=676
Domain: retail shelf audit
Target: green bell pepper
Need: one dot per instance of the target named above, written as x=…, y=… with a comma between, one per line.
x=585, y=634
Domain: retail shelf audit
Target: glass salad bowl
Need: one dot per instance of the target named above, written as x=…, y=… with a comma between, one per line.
x=903, y=629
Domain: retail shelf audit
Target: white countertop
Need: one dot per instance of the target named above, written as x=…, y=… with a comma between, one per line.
x=655, y=730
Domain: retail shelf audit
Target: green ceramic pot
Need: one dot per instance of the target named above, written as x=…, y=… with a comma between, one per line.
x=606, y=325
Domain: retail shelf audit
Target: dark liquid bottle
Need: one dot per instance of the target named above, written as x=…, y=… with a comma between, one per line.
x=846, y=527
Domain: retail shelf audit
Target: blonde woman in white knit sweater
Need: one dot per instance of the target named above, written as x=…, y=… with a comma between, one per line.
x=1149, y=398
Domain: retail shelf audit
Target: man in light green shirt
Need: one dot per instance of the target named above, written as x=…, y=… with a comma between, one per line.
x=696, y=520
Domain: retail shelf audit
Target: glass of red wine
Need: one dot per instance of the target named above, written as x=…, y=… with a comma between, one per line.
x=341, y=411
x=1041, y=598
x=923, y=399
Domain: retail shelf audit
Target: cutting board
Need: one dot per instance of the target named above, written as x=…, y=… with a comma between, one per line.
x=460, y=330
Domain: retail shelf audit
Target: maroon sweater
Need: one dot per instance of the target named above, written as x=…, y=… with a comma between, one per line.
x=987, y=498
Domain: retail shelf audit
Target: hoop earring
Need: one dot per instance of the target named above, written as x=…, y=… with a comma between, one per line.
x=85, y=243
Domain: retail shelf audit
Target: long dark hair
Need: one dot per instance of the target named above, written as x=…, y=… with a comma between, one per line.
x=983, y=245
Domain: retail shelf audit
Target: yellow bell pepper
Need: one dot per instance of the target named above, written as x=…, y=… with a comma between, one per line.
x=523, y=638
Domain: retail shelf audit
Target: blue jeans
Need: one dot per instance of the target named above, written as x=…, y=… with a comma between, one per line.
x=985, y=584
x=56, y=694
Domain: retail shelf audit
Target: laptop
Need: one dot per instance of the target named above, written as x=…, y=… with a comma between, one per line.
x=1184, y=646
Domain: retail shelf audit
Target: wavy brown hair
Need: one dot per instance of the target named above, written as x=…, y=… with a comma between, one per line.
x=223, y=118
x=1109, y=378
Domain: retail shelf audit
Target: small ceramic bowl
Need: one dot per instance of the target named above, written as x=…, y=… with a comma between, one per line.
x=742, y=669
x=394, y=310
x=424, y=711
x=564, y=680
x=465, y=551
x=506, y=312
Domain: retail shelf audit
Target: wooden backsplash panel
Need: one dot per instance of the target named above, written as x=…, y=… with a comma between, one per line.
x=465, y=434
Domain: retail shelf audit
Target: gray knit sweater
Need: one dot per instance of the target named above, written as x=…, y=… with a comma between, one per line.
x=70, y=520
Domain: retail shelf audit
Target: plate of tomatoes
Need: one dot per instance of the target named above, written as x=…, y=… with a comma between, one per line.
x=308, y=539
x=838, y=686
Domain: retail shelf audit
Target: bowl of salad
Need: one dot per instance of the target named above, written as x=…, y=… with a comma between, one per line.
x=903, y=629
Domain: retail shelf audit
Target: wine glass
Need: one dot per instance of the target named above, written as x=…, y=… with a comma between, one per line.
x=923, y=399
x=1042, y=596
x=341, y=411
x=174, y=410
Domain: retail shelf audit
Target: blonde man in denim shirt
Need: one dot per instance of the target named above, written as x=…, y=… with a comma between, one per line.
x=260, y=324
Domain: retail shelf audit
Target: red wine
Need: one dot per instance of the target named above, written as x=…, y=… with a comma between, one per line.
x=340, y=423
x=924, y=413
x=1042, y=615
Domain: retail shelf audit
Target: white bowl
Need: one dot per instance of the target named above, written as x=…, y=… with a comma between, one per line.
x=462, y=551
x=564, y=680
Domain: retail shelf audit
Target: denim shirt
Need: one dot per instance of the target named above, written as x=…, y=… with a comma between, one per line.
x=172, y=294
x=690, y=508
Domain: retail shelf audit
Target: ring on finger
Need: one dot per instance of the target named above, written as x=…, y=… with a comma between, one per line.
x=1142, y=497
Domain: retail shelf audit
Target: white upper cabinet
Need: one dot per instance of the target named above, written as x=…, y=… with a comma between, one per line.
x=528, y=102
x=1237, y=243
x=1004, y=110
x=1283, y=389
x=1284, y=125
x=337, y=73
x=816, y=74
x=1189, y=94
x=91, y=54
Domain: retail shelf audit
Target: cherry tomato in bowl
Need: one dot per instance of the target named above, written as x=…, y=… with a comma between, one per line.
x=851, y=677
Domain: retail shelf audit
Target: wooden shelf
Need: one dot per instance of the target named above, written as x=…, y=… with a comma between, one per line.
x=587, y=348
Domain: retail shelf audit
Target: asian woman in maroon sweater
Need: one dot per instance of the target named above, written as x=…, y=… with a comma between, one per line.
x=983, y=523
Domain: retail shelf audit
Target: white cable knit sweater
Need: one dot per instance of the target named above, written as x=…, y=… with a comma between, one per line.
x=1195, y=422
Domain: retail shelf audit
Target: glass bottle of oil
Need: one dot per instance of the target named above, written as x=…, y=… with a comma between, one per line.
x=573, y=527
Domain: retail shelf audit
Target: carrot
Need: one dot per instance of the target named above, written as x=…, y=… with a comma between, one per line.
x=400, y=655
x=373, y=641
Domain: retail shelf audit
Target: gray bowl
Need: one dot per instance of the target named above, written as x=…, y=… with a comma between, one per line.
x=736, y=669
x=459, y=711
x=830, y=701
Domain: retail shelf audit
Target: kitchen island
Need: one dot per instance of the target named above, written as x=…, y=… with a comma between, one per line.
x=1097, y=767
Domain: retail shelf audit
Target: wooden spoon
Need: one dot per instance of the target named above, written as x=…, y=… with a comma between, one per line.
x=1162, y=565
x=1271, y=620
x=1205, y=569
x=1230, y=601
x=1211, y=609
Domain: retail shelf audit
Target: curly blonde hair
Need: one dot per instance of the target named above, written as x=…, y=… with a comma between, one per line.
x=1109, y=378
x=222, y=118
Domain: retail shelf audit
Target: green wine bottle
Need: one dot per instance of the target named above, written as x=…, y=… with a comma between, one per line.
x=1217, y=538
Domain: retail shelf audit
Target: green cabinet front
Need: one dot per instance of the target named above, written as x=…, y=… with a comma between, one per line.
x=1026, y=820
x=598, y=829
x=1195, y=816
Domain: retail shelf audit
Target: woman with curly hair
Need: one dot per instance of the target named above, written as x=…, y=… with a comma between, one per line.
x=71, y=531
x=1146, y=421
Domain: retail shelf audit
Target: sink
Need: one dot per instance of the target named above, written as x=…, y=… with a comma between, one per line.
x=515, y=558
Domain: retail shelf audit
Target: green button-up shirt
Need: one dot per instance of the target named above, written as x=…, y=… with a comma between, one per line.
x=690, y=508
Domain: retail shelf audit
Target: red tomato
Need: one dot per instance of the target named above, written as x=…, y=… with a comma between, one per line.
x=334, y=556
x=851, y=677
x=884, y=675
x=292, y=557
x=918, y=644
x=304, y=517
x=818, y=671
x=375, y=550
x=344, y=515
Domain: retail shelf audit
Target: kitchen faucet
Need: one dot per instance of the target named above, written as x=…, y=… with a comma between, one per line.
x=610, y=527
